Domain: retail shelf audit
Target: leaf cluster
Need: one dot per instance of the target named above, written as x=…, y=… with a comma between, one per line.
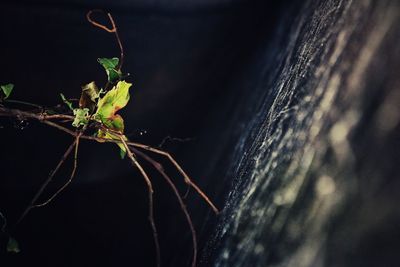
x=97, y=105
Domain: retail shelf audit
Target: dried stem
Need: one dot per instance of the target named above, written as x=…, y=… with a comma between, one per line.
x=9, y=112
x=114, y=30
x=160, y=169
x=131, y=149
x=41, y=118
x=150, y=194
x=56, y=121
x=44, y=185
x=179, y=168
x=70, y=178
x=23, y=103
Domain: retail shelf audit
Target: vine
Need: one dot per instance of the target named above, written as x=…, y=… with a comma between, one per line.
x=96, y=118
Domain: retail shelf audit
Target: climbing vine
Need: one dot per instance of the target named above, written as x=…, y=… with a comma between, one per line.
x=95, y=118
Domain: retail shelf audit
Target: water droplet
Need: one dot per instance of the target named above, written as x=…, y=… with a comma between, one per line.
x=21, y=124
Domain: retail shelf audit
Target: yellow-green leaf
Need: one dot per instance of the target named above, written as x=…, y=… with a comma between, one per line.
x=110, y=103
x=114, y=136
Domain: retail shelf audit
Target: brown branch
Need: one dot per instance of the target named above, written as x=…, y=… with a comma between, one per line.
x=160, y=169
x=9, y=112
x=179, y=168
x=127, y=145
x=70, y=178
x=150, y=194
x=114, y=30
x=44, y=185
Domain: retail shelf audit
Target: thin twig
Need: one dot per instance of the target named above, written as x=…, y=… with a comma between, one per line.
x=160, y=169
x=70, y=178
x=44, y=185
x=175, y=139
x=179, y=168
x=23, y=103
x=150, y=194
x=10, y=112
x=41, y=118
x=114, y=30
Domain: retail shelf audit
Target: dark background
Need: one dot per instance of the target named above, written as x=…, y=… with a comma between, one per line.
x=291, y=108
x=182, y=56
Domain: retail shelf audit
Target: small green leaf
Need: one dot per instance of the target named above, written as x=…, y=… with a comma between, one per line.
x=68, y=103
x=81, y=117
x=110, y=65
x=12, y=246
x=7, y=89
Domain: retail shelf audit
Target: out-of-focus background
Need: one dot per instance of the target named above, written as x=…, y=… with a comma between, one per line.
x=289, y=109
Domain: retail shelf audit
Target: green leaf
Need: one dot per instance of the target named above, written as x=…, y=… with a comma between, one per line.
x=68, y=103
x=110, y=65
x=108, y=135
x=7, y=89
x=122, y=152
x=12, y=246
x=107, y=107
x=81, y=117
x=90, y=93
x=110, y=103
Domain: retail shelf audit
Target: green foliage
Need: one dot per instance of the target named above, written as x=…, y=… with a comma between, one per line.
x=7, y=89
x=81, y=117
x=12, y=246
x=68, y=103
x=108, y=106
x=110, y=135
x=110, y=65
x=111, y=103
x=81, y=114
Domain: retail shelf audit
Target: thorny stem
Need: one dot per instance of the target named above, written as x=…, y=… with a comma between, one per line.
x=44, y=185
x=160, y=169
x=150, y=191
